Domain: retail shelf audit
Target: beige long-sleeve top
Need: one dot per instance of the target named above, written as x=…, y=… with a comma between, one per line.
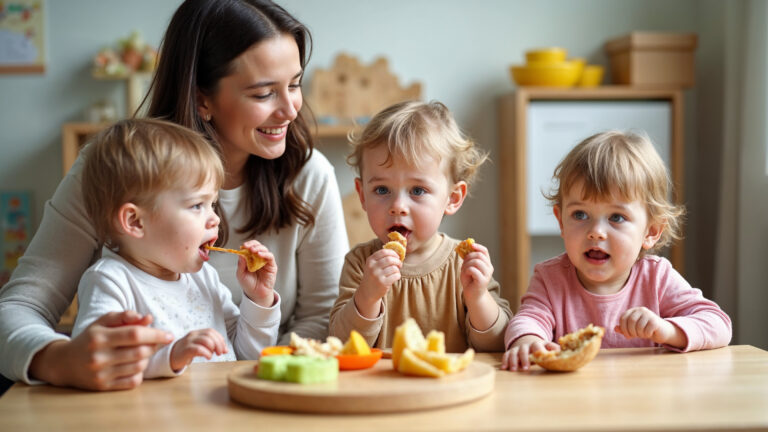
x=309, y=260
x=430, y=293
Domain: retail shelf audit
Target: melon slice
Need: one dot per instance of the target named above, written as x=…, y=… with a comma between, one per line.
x=410, y=364
x=356, y=345
x=436, y=341
x=407, y=335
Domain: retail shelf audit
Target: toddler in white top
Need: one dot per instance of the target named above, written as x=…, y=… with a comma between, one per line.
x=150, y=188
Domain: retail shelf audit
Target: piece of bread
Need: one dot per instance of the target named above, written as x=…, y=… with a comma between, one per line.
x=465, y=247
x=576, y=350
x=398, y=244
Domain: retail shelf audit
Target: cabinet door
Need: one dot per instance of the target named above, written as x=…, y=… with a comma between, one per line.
x=554, y=127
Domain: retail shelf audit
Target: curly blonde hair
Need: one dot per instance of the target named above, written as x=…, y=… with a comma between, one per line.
x=135, y=160
x=415, y=131
x=626, y=164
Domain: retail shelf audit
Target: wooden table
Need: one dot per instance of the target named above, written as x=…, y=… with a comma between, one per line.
x=637, y=389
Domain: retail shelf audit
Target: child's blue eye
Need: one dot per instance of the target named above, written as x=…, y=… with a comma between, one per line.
x=617, y=218
x=418, y=191
x=197, y=206
x=380, y=190
x=579, y=215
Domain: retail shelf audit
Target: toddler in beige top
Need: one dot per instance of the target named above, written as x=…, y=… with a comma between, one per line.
x=414, y=167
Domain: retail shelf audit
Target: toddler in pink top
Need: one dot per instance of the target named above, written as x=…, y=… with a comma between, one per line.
x=612, y=206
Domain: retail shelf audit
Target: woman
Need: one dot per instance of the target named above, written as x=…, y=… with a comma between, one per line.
x=232, y=70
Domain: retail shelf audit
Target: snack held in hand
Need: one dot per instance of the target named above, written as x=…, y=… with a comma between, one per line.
x=253, y=261
x=577, y=349
x=465, y=247
x=412, y=354
x=397, y=243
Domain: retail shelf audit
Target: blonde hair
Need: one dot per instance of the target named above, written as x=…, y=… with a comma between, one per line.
x=415, y=131
x=623, y=163
x=134, y=160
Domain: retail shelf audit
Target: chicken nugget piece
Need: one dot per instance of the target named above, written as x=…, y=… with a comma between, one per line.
x=397, y=247
x=465, y=247
x=398, y=244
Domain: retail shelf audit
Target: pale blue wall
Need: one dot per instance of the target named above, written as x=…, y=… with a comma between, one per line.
x=459, y=50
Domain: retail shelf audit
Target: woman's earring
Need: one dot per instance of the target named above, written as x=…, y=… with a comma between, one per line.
x=207, y=117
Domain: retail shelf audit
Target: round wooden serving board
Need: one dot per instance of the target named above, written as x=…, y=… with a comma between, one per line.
x=374, y=390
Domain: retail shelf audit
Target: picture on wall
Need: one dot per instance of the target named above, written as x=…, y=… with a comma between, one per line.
x=15, y=229
x=22, y=36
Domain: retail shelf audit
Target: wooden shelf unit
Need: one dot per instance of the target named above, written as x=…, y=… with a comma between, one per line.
x=512, y=123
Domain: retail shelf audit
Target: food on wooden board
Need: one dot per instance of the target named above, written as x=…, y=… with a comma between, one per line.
x=314, y=348
x=412, y=354
x=298, y=369
x=356, y=345
x=576, y=350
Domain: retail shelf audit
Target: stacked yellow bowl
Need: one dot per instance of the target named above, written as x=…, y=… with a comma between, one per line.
x=549, y=67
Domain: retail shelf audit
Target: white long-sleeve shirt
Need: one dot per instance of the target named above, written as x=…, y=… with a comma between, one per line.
x=194, y=302
x=309, y=263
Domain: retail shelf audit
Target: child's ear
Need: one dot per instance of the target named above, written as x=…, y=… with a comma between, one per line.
x=456, y=197
x=130, y=220
x=652, y=235
x=359, y=189
x=559, y=216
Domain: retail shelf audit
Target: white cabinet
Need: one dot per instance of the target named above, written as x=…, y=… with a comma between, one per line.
x=554, y=127
x=537, y=127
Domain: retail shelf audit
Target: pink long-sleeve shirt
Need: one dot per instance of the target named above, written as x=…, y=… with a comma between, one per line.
x=556, y=304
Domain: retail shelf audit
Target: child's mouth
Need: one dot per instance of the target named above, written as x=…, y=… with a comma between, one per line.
x=203, y=250
x=596, y=255
x=401, y=229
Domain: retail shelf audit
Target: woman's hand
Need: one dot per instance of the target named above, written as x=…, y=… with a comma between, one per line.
x=517, y=357
x=111, y=354
x=197, y=343
x=259, y=285
x=641, y=322
x=382, y=269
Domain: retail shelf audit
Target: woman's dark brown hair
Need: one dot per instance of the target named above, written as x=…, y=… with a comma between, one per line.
x=203, y=39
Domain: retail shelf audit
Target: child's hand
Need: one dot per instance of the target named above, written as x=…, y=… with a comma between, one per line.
x=382, y=269
x=197, y=343
x=259, y=285
x=641, y=322
x=476, y=272
x=517, y=357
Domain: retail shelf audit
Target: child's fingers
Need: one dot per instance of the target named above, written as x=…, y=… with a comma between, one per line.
x=253, y=245
x=506, y=363
x=523, y=357
x=200, y=351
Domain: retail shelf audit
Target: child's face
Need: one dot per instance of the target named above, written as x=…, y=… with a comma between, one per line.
x=254, y=105
x=174, y=235
x=411, y=200
x=603, y=238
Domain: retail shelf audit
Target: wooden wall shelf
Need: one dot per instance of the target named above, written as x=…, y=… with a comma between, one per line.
x=75, y=135
x=512, y=128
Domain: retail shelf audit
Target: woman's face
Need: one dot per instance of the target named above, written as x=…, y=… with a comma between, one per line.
x=253, y=106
